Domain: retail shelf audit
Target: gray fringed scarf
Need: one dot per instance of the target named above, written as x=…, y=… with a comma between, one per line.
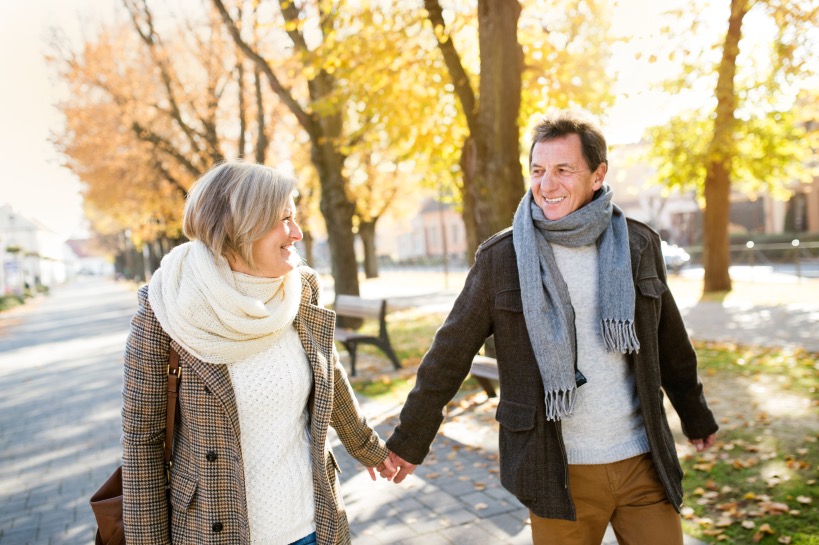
x=547, y=307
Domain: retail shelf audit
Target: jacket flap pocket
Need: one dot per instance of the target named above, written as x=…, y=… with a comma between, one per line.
x=509, y=300
x=514, y=416
x=182, y=490
x=651, y=287
x=332, y=459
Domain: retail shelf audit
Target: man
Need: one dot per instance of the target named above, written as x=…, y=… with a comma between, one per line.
x=586, y=334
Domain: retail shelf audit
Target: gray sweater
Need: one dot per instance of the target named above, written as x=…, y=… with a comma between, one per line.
x=606, y=425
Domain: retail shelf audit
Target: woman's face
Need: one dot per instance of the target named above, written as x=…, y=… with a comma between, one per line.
x=274, y=253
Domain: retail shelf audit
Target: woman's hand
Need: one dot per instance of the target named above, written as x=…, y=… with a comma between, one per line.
x=401, y=469
x=386, y=469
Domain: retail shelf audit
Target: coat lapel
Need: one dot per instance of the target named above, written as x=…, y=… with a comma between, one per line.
x=313, y=324
x=217, y=379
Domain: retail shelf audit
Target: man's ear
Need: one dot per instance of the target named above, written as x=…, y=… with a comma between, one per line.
x=600, y=176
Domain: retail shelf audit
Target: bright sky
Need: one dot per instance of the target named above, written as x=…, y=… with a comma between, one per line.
x=35, y=184
x=31, y=178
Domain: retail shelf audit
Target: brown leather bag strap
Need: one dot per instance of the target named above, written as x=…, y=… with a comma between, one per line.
x=174, y=379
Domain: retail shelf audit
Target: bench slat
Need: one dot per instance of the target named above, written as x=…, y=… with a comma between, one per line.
x=356, y=307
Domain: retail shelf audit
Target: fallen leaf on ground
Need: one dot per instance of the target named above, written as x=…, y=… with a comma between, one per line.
x=774, y=508
x=764, y=530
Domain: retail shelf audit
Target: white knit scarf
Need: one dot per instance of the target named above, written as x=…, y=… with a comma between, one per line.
x=194, y=296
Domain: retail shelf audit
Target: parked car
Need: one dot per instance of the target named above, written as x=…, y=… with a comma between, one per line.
x=674, y=256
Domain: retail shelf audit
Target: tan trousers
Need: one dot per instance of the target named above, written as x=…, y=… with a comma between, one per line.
x=627, y=493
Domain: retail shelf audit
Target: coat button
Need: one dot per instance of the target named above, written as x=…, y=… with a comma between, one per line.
x=211, y=456
x=207, y=390
x=217, y=527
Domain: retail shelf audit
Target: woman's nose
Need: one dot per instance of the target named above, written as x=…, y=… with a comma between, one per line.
x=296, y=233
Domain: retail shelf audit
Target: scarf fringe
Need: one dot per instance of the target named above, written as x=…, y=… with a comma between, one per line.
x=620, y=336
x=560, y=404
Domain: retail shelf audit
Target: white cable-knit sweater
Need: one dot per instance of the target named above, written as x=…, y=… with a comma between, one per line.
x=272, y=389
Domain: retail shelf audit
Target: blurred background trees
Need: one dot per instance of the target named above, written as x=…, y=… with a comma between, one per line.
x=751, y=135
x=368, y=103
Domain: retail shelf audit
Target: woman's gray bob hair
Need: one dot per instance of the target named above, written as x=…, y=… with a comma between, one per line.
x=234, y=204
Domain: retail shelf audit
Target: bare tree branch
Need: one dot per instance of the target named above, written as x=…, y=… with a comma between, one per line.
x=453, y=63
x=147, y=135
x=305, y=120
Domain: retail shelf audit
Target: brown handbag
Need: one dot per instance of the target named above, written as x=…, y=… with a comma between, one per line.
x=107, y=501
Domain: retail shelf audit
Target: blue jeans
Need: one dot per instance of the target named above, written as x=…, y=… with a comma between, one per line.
x=308, y=540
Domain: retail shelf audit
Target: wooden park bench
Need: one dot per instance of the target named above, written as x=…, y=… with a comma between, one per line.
x=485, y=370
x=369, y=309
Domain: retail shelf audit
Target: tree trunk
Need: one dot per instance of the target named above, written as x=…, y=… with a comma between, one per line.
x=261, y=125
x=468, y=165
x=366, y=231
x=721, y=150
x=307, y=244
x=490, y=159
x=334, y=204
x=498, y=181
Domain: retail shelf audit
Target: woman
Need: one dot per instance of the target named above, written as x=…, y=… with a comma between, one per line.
x=260, y=380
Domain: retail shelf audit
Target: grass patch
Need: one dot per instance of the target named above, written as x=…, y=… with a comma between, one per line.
x=10, y=301
x=752, y=490
x=759, y=482
x=792, y=369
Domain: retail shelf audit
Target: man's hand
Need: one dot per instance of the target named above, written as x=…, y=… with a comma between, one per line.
x=400, y=469
x=386, y=469
x=704, y=444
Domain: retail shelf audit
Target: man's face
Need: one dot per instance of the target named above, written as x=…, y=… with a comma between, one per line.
x=561, y=179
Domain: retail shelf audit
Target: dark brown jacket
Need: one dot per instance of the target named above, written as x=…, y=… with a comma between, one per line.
x=208, y=503
x=532, y=456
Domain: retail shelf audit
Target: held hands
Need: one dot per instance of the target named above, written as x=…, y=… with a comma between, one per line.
x=393, y=468
x=704, y=444
x=384, y=468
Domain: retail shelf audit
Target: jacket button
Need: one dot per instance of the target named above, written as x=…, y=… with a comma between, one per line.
x=207, y=390
x=211, y=457
x=217, y=527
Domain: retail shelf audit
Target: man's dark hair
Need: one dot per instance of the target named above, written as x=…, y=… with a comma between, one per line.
x=565, y=122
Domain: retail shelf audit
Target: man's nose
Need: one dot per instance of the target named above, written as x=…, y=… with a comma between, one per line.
x=548, y=181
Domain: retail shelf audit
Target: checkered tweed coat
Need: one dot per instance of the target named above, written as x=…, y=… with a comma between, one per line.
x=207, y=498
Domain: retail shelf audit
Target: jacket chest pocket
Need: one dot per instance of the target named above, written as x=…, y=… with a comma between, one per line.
x=651, y=287
x=649, y=298
x=509, y=301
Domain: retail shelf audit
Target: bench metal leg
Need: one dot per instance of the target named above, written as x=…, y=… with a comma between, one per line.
x=351, y=348
x=387, y=348
x=487, y=385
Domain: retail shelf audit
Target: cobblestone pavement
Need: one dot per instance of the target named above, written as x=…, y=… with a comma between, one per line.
x=60, y=380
